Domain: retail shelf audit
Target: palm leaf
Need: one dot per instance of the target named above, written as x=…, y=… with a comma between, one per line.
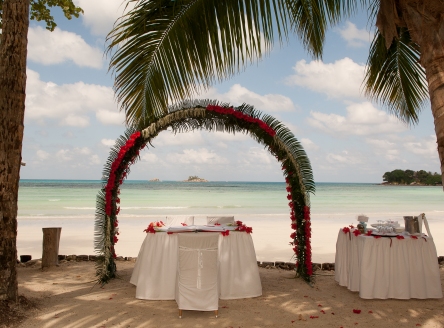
x=166, y=49
x=310, y=19
x=394, y=76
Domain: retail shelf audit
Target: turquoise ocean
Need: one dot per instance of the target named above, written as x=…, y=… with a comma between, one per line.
x=70, y=204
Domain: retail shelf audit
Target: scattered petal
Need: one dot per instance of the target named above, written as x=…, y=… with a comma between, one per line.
x=320, y=305
x=322, y=311
x=110, y=298
x=356, y=311
x=292, y=321
x=314, y=317
x=333, y=313
x=370, y=311
x=225, y=307
x=305, y=295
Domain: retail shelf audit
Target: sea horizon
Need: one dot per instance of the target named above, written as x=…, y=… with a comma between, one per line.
x=70, y=204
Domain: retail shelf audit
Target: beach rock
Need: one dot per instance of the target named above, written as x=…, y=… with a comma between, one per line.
x=328, y=266
x=291, y=265
x=30, y=263
x=131, y=259
x=82, y=258
x=61, y=257
x=265, y=264
x=120, y=258
x=62, y=261
x=71, y=257
x=316, y=266
x=92, y=257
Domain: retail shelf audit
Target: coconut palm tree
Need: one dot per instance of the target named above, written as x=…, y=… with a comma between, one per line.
x=166, y=50
x=14, y=23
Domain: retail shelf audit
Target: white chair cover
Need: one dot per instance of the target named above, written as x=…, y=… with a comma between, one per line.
x=197, y=274
x=174, y=221
x=220, y=219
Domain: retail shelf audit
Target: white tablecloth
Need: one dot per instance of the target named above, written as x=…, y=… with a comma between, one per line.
x=155, y=271
x=388, y=267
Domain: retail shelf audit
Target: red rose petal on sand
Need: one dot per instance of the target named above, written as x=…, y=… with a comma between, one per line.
x=322, y=311
x=320, y=305
x=356, y=311
x=314, y=317
x=333, y=313
x=370, y=311
x=305, y=295
x=292, y=321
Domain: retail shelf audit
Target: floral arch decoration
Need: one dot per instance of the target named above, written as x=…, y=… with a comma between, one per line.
x=209, y=115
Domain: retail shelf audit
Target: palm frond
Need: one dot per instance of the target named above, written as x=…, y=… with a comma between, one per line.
x=310, y=19
x=163, y=50
x=395, y=78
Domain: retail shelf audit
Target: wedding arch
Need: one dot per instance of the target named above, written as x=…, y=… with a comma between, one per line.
x=212, y=116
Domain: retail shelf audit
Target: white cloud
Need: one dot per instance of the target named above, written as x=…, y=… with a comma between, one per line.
x=308, y=144
x=361, y=119
x=42, y=155
x=258, y=156
x=150, y=158
x=237, y=95
x=56, y=47
x=200, y=156
x=341, y=79
x=69, y=104
x=77, y=157
x=355, y=37
x=384, y=148
x=167, y=138
x=108, y=142
x=100, y=15
x=344, y=158
x=425, y=148
x=108, y=117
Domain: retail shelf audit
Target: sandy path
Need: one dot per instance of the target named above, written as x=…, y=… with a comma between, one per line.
x=67, y=296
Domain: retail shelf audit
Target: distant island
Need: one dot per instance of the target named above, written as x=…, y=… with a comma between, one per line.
x=411, y=178
x=154, y=180
x=195, y=178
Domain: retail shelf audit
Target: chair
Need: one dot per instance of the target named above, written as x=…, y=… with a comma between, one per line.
x=220, y=219
x=172, y=221
x=197, y=272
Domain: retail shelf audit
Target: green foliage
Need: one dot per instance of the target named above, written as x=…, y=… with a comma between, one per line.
x=408, y=176
x=190, y=116
x=394, y=76
x=40, y=11
x=166, y=51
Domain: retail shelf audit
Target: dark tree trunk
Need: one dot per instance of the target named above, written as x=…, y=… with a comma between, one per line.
x=13, y=51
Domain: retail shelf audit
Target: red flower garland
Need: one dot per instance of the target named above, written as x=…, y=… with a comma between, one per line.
x=111, y=184
x=308, y=262
x=247, y=118
x=243, y=227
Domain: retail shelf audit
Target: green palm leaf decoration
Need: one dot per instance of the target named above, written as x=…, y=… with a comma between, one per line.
x=208, y=115
x=165, y=51
x=394, y=76
x=164, y=54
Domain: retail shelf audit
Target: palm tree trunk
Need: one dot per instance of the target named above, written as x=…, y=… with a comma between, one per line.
x=13, y=51
x=435, y=80
x=425, y=22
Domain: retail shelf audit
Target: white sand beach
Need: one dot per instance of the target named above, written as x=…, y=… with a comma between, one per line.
x=67, y=296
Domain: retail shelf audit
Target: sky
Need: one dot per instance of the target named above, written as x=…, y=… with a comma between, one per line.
x=72, y=118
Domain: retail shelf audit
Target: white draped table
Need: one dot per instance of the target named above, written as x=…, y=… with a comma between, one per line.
x=388, y=267
x=156, y=267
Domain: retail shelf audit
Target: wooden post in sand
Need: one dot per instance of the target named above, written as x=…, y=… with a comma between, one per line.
x=51, y=239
